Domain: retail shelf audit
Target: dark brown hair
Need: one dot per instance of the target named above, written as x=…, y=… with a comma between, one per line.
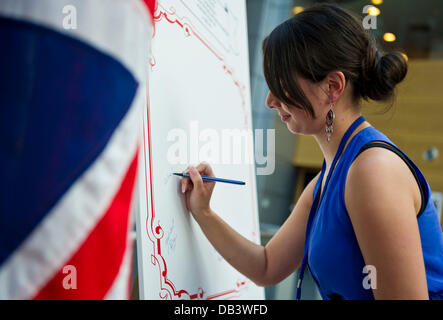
x=322, y=39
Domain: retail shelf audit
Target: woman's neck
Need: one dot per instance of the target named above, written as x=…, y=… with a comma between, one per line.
x=341, y=123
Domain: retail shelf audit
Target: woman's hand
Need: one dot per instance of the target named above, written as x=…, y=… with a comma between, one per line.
x=197, y=191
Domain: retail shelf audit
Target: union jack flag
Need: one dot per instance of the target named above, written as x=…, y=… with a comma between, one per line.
x=70, y=105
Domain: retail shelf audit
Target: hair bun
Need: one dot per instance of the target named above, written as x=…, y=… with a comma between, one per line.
x=382, y=73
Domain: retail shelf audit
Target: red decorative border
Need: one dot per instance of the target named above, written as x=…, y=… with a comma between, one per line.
x=189, y=30
x=155, y=233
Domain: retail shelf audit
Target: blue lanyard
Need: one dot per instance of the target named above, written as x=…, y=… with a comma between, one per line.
x=318, y=198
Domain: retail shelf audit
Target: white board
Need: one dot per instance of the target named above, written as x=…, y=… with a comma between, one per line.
x=198, y=88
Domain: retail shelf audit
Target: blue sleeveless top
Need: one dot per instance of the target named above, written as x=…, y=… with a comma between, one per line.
x=334, y=256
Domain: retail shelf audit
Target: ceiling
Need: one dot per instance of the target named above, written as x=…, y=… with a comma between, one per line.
x=418, y=25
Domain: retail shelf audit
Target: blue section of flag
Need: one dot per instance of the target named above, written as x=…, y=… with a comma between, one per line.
x=60, y=101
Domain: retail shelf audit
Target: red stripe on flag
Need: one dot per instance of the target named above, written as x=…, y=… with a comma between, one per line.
x=151, y=6
x=98, y=260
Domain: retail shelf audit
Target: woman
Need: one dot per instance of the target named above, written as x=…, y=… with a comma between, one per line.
x=369, y=209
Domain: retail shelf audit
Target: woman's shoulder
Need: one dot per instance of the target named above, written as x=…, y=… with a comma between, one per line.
x=378, y=173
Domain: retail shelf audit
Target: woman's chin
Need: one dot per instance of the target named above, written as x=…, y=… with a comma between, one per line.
x=291, y=128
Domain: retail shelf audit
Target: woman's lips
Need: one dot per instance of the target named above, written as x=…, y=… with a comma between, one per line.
x=285, y=118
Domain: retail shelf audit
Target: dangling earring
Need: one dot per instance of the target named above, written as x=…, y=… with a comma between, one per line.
x=330, y=116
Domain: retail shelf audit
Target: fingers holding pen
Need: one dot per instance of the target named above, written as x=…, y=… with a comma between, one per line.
x=185, y=182
x=202, y=169
x=205, y=169
x=200, y=191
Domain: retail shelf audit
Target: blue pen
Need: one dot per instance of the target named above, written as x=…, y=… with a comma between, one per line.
x=211, y=178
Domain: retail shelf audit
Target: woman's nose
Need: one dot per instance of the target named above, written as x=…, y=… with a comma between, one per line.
x=271, y=102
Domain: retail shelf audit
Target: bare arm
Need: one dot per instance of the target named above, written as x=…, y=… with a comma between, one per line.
x=263, y=265
x=382, y=198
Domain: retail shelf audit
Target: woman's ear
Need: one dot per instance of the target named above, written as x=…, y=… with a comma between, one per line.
x=335, y=84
